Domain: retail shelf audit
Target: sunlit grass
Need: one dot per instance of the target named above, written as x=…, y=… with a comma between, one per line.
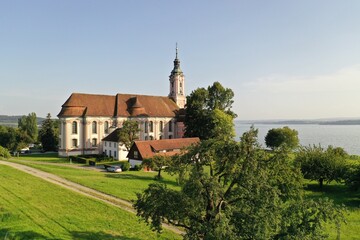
x=31, y=208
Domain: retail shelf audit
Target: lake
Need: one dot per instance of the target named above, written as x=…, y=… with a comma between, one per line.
x=345, y=136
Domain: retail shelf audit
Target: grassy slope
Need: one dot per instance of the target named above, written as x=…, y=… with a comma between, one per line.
x=124, y=185
x=34, y=209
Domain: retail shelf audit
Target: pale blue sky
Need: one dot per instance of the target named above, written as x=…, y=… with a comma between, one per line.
x=283, y=59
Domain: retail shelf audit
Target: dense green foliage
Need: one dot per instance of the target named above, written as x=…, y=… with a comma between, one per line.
x=4, y=153
x=13, y=138
x=282, y=137
x=208, y=113
x=129, y=133
x=28, y=125
x=48, y=136
x=236, y=190
x=157, y=162
x=321, y=165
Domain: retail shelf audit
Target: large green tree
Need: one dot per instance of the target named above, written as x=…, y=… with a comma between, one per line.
x=28, y=124
x=208, y=113
x=282, y=137
x=233, y=190
x=128, y=133
x=13, y=138
x=47, y=135
x=158, y=162
x=321, y=165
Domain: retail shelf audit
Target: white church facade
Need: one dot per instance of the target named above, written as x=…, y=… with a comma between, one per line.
x=87, y=119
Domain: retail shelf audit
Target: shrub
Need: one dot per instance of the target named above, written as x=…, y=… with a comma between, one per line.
x=125, y=166
x=4, y=153
x=137, y=167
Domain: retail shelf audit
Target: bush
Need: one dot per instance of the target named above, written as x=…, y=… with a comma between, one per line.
x=125, y=166
x=4, y=153
x=137, y=167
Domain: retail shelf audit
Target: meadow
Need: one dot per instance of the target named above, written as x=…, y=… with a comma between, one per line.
x=31, y=208
x=125, y=185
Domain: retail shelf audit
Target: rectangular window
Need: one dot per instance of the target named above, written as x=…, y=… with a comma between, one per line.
x=94, y=142
x=136, y=154
x=74, y=143
x=115, y=154
x=105, y=144
x=170, y=126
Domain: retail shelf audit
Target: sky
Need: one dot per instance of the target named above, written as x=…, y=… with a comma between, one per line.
x=283, y=59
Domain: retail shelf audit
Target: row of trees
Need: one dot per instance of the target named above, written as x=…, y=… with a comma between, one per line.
x=27, y=132
x=234, y=190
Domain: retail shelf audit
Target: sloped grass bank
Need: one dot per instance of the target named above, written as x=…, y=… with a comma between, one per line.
x=31, y=208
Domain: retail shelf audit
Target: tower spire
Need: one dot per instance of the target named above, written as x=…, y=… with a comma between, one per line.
x=177, y=68
x=176, y=51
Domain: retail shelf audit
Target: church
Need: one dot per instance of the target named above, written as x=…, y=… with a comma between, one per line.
x=86, y=119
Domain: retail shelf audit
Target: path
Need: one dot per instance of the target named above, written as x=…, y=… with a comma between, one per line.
x=117, y=202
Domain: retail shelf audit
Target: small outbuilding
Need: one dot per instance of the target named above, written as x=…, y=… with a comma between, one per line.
x=141, y=150
x=112, y=146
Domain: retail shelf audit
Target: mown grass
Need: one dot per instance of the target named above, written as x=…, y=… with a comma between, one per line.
x=31, y=208
x=123, y=185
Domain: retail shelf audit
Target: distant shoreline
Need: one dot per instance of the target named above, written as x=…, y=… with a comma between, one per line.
x=302, y=122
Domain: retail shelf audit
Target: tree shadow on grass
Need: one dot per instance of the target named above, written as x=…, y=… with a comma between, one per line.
x=141, y=178
x=99, y=236
x=8, y=234
x=339, y=193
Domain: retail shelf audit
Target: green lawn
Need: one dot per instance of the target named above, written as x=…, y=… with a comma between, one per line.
x=124, y=185
x=31, y=208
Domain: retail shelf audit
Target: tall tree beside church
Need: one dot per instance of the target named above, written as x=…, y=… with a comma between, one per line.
x=208, y=113
x=47, y=135
x=129, y=133
x=28, y=125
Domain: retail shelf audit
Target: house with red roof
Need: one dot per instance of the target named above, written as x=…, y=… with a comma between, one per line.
x=87, y=119
x=141, y=150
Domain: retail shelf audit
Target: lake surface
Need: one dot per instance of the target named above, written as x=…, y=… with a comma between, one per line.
x=345, y=136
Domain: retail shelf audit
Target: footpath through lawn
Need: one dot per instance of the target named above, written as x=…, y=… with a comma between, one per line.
x=31, y=208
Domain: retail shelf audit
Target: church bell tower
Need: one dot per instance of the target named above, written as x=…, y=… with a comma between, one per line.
x=177, y=83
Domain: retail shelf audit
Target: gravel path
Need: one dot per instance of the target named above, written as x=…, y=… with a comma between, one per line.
x=117, y=202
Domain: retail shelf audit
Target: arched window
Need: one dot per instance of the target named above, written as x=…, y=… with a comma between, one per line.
x=106, y=127
x=151, y=138
x=74, y=127
x=151, y=126
x=161, y=126
x=170, y=136
x=161, y=137
x=146, y=127
x=94, y=127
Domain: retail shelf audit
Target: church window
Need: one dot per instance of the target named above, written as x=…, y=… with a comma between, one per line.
x=74, y=127
x=161, y=126
x=170, y=126
x=161, y=137
x=170, y=136
x=94, y=142
x=146, y=137
x=106, y=127
x=94, y=127
x=146, y=127
x=180, y=84
x=74, y=142
x=151, y=126
x=151, y=138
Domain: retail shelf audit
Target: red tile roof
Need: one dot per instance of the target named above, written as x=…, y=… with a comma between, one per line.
x=120, y=105
x=148, y=149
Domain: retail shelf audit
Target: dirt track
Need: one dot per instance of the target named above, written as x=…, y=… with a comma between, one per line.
x=125, y=205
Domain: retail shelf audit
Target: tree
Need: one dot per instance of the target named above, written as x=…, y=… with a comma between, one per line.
x=233, y=190
x=28, y=124
x=129, y=133
x=158, y=162
x=282, y=137
x=321, y=165
x=4, y=153
x=47, y=135
x=208, y=113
